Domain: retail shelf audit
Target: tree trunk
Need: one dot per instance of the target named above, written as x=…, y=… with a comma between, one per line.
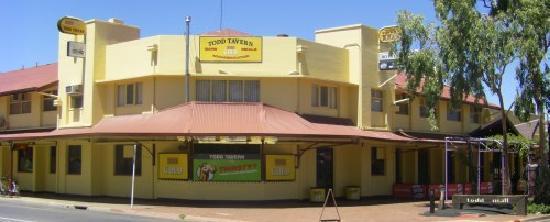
x=543, y=158
x=504, y=170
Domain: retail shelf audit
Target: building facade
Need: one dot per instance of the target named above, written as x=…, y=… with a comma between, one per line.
x=287, y=116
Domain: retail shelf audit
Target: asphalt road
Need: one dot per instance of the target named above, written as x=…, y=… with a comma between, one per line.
x=18, y=211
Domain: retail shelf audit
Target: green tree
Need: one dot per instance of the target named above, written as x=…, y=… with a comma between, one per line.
x=467, y=51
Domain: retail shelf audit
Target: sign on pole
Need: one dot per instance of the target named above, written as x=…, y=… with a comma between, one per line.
x=71, y=26
x=76, y=49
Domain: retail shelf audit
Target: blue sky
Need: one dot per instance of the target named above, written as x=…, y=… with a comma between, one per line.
x=29, y=35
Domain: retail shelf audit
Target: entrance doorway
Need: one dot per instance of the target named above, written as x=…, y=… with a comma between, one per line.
x=423, y=167
x=324, y=167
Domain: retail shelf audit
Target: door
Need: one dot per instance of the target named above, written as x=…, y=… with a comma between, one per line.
x=324, y=167
x=423, y=167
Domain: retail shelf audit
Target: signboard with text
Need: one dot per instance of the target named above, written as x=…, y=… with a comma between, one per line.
x=227, y=167
x=76, y=49
x=230, y=49
x=280, y=167
x=385, y=61
x=389, y=34
x=71, y=26
x=173, y=166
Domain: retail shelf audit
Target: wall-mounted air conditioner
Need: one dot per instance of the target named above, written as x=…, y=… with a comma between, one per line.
x=73, y=90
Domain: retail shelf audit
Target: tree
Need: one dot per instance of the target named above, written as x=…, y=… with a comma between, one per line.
x=467, y=51
x=533, y=41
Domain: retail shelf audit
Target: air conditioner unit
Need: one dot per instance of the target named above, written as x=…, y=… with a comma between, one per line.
x=73, y=90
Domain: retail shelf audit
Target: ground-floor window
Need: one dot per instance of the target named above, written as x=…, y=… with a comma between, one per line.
x=124, y=155
x=74, y=159
x=53, y=159
x=24, y=164
x=377, y=161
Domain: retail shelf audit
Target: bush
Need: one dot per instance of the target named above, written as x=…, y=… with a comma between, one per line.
x=534, y=208
x=542, y=193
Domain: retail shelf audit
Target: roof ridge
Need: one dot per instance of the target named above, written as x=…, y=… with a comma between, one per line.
x=27, y=68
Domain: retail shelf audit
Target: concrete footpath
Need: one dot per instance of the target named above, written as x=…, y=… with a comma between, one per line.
x=267, y=211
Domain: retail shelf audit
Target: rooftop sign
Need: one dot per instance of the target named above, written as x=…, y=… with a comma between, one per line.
x=71, y=26
x=230, y=49
x=389, y=34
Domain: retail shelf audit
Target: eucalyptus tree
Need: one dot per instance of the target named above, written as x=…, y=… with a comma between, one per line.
x=467, y=50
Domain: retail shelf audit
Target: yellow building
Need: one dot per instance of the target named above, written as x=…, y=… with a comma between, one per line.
x=269, y=118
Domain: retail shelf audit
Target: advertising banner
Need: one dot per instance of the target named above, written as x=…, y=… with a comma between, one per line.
x=280, y=167
x=230, y=49
x=173, y=166
x=227, y=167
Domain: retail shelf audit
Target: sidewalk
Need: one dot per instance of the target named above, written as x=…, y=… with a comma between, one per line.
x=267, y=211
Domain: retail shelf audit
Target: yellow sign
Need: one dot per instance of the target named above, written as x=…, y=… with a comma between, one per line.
x=173, y=166
x=389, y=34
x=238, y=49
x=280, y=167
x=71, y=26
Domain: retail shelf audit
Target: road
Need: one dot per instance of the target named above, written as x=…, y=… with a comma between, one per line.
x=19, y=211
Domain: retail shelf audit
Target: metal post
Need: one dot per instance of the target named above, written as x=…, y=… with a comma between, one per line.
x=133, y=176
x=478, y=168
x=187, y=21
x=446, y=167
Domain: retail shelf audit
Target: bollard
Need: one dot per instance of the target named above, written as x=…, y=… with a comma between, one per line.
x=432, y=201
x=441, y=197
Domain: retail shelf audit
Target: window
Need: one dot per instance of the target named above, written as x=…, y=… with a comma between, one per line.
x=74, y=159
x=228, y=90
x=475, y=113
x=453, y=114
x=324, y=96
x=377, y=161
x=20, y=103
x=53, y=159
x=129, y=94
x=76, y=102
x=24, y=163
x=124, y=155
x=47, y=101
x=402, y=107
x=219, y=90
x=423, y=110
x=377, y=102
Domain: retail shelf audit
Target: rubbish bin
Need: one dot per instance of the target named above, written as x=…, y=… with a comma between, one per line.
x=353, y=192
x=317, y=194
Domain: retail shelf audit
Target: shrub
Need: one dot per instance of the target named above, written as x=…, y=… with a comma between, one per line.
x=534, y=208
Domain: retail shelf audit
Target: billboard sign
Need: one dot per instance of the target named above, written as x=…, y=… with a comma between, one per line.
x=71, y=26
x=280, y=167
x=76, y=49
x=173, y=166
x=389, y=34
x=227, y=167
x=230, y=49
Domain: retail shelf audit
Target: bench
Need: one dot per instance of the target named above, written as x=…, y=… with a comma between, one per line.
x=518, y=202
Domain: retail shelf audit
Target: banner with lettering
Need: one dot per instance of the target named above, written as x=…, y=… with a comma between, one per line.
x=280, y=167
x=230, y=49
x=173, y=166
x=226, y=167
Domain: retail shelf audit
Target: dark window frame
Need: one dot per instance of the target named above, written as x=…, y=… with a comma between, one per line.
x=377, y=96
x=47, y=101
x=24, y=154
x=378, y=166
x=74, y=169
x=53, y=160
x=21, y=103
x=454, y=114
x=122, y=166
x=403, y=106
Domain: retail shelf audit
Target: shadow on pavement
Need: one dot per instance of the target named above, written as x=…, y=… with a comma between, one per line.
x=371, y=201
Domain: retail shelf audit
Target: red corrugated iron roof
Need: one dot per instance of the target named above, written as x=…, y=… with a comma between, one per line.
x=401, y=83
x=226, y=32
x=203, y=119
x=28, y=79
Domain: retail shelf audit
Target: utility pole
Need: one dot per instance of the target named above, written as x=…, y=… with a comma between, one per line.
x=187, y=21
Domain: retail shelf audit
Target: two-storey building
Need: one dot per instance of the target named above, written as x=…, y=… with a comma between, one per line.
x=268, y=117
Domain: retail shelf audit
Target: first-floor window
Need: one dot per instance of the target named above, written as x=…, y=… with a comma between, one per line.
x=53, y=159
x=24, y=164
x=227, y=90
x=124, y=155
x=130, y=94
x=20, y=103
x=76, y=102
x=402, y=107
x=475, y=113
x=74, y=159
x=47, y=101
x=377, y=161
x=324, y=96
x=453, y=114
x=377, y=102
x=423, y=110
